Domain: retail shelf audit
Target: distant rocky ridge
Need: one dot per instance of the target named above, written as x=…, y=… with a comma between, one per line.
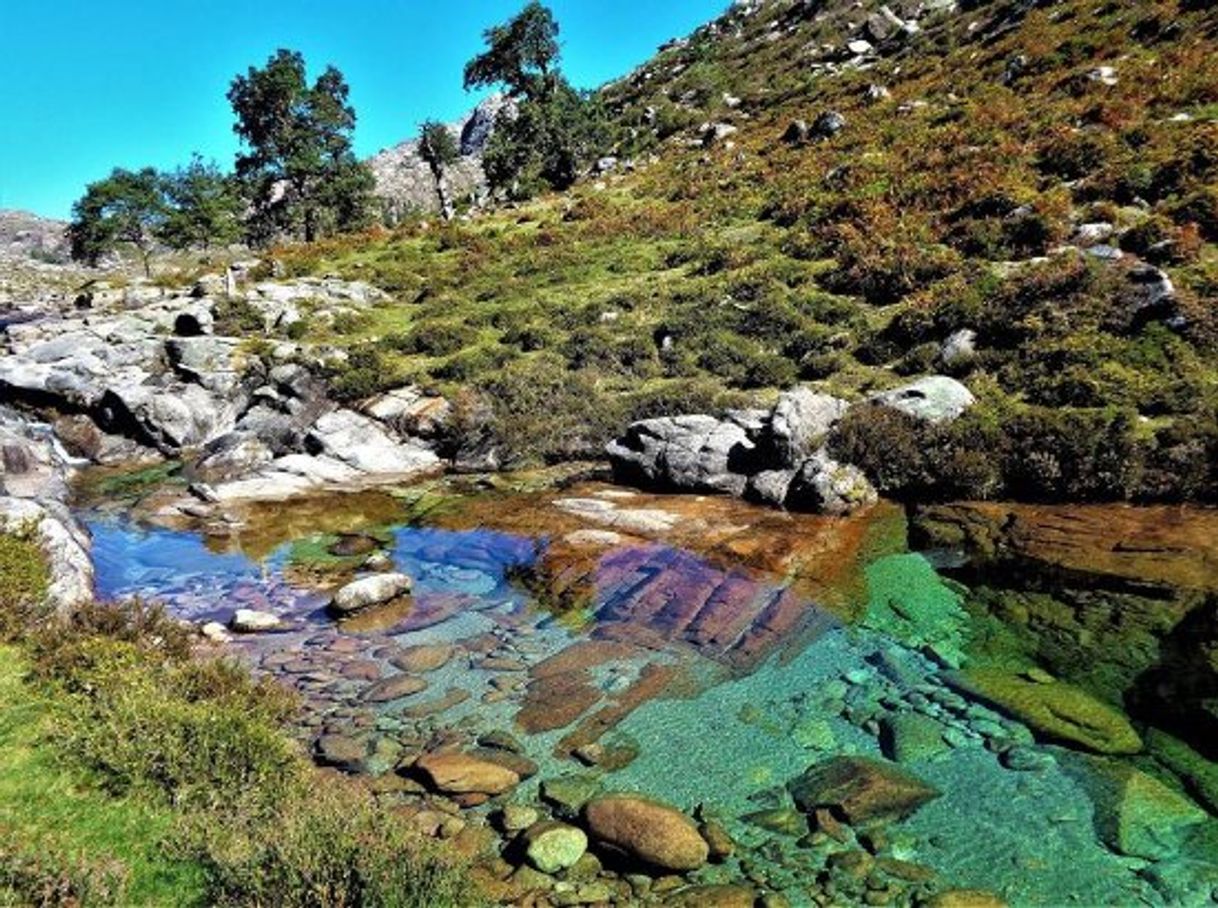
x=27, y=235
x=404, y=181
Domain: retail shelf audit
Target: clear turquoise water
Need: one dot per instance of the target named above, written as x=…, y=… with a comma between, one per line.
x=732, y=743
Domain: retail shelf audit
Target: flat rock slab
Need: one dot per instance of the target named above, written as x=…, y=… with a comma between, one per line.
x=458, y=773
x=394, y=689
x=860, y=790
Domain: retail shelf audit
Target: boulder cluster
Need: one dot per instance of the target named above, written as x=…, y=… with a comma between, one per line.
x=137, y=373
x=777, y=457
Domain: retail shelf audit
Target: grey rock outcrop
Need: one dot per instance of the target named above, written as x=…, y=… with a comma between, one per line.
x=134, y=375
x=696, y=452
x=777, y=457
x=935, y=398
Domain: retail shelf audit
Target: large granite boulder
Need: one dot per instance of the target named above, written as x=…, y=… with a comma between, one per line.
x=774, y=457
x=935, y=399
x=827, y=487
x=800, y=422
x=364, y=444
x=696, y=453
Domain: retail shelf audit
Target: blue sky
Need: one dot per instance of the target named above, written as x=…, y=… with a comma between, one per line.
x=94, y=84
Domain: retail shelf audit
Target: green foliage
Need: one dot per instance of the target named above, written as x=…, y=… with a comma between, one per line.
x=23, y=584
x=204, y=207
x=63, y=841
x=127, y=208
x=329, y=845
x=554, y=127
x=521, y=53
x=543, y=410
x=438, y=149
x=364, y=374
x=192, y=793
x=436, y=145
x=298, y=167
x=545, y=143
x=44, y=874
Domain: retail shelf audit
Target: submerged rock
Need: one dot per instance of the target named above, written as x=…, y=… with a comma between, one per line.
x=252, y=621
x=1058, y=711
x=1135, y=813
x=860, y=790
x=648, y=831
x=367, y=592
x=458, y=773
x=551, y=846
x=394, y=689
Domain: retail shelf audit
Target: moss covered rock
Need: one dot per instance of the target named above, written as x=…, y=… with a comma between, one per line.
x=1135, y=813
x=1054, y=710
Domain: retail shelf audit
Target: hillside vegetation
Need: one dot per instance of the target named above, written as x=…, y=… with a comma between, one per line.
x=134, y=772
x=781, y=210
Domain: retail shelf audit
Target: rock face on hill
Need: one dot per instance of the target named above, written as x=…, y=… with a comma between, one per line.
x=404, y=181
x=27, y=235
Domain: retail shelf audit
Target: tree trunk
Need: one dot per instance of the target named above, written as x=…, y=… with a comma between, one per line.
x=446, y=205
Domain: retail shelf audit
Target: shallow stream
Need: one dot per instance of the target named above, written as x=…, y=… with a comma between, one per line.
x=703, y=652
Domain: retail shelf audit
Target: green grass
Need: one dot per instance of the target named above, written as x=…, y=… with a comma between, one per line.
x=59, y=813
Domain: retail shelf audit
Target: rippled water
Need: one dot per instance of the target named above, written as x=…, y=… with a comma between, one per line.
x=723, y=681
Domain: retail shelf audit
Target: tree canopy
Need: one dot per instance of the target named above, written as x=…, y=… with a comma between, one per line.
x=554, y=127
x=204, y=207
x=520, y=54
x=438, y=149
x=126, y=208
x=298, y=168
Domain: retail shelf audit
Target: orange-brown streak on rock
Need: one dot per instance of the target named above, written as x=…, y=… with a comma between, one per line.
x=1174, y=547
x=654, y=680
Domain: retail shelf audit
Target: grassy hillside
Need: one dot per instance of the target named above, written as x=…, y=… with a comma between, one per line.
x=722, y=266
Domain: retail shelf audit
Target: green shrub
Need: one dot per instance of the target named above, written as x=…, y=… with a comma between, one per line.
x=326, y=846
x=237, y=317
x=598, y=348
x=1073, y=455
x=23, y=584
x=45, y=875
x=432, y=339
x=885, y=269
x=140, y=712
x=1200, y=208
x=473, y=363
x=364, y=374
x=543, y=410
x=740, y=362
